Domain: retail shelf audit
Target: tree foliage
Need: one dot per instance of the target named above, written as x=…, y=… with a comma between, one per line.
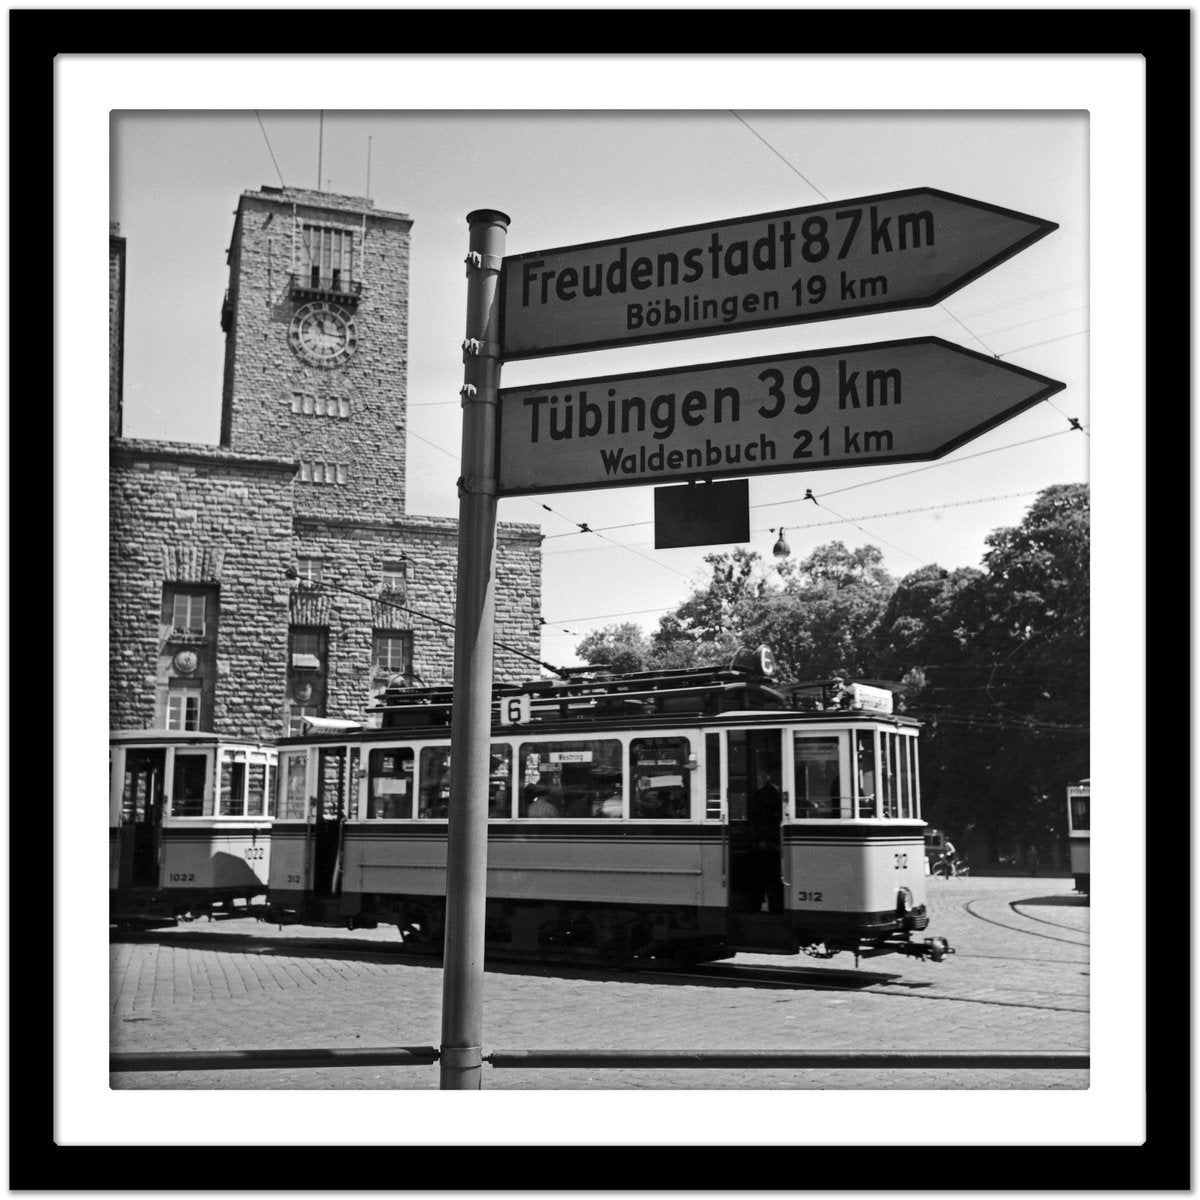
x=995, y=660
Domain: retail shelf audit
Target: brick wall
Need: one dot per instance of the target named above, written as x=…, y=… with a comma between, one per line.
x=199, y=515
x=352, y=560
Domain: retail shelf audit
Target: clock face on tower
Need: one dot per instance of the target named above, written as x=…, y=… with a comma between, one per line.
x=323, y=334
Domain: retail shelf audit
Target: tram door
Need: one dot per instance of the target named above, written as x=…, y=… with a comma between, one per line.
x=756, y=804
x=141, y=817
x=328, y=818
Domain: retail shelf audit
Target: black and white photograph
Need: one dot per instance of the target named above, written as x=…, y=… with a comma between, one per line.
x=603, y=601
x=788, y=688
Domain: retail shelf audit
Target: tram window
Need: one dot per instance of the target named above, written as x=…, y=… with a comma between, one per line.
x=864, y=756
x=571, y=779
x=712, y=776
x=818, y=780
x=1081, y=816
x=435, y=782
x=353, y=774
x=500, y=782
x=187, y=794
x=389, y=783
x=661, y=780
x=293, y=786
x=256, y=786
x=887, y=773
x=908, y=792
x=233, y=785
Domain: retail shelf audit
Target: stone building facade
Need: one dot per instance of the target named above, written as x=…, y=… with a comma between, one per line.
x=276, y=575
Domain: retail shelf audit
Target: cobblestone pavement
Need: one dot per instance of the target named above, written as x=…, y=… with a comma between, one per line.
x=1018, y=982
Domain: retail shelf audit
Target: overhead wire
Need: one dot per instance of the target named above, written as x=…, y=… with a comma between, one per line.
x=292, y=574
x=898, y=512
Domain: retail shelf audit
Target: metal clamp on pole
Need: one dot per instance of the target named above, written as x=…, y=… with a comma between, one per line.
x=478, y=348
x=469, y=485
x=477, y=261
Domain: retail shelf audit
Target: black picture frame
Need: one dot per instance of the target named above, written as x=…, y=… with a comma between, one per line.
x=36, y=1162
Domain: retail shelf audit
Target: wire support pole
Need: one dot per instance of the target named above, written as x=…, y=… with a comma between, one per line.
x=461, y=1058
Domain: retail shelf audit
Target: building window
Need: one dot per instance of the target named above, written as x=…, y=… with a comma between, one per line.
x=308, y=664
x=323, y=472
x=296, y=715
x=183, y=708
x=309, y=571
x=395, y=576
x=326, y=257
x=392, y=652
x=308, y=650
x=309, y=405
x=187, y=613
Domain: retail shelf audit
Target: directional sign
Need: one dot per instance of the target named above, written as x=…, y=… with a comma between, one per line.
x=875, y=254
x=901, y=401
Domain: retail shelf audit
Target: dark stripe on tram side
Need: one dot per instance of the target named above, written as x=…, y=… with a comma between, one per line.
x=519, y=831
x=802, y=832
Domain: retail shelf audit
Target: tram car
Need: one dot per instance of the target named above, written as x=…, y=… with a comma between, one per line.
x=1079, y=830
x=679, y=816
x=189, y=824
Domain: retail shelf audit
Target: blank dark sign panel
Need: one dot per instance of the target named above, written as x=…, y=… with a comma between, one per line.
x=702, y=514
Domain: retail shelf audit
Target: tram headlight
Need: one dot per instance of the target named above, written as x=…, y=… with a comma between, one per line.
x=904, y=900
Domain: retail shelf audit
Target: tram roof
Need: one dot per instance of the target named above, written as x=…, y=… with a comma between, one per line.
x=739, y=693
x=176, y=737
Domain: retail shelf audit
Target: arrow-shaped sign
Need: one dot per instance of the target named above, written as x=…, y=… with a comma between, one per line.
x=901, y=401
x=875, y=254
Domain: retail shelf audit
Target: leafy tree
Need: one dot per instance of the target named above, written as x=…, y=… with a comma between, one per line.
x=624, y=648
x=1007, y=699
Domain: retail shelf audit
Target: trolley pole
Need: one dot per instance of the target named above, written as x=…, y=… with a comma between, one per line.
x=461, y=1055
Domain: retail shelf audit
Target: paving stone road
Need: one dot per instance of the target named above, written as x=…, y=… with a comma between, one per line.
x=1017, y=982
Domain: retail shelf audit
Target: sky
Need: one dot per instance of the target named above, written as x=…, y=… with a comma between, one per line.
x=566, y=177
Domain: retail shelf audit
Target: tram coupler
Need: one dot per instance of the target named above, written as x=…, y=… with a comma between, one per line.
x=934, y=948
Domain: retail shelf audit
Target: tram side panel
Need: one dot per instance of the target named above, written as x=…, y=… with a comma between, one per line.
x=603, y=864
x=287, y=874
x=213, y=862
x=855, y=877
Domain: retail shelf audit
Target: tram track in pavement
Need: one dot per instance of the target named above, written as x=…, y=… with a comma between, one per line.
x=970, y=910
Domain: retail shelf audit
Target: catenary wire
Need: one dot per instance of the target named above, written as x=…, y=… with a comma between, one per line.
x=375, y=599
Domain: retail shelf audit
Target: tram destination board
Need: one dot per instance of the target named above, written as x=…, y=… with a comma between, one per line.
x=888, y=402
x=906, y=249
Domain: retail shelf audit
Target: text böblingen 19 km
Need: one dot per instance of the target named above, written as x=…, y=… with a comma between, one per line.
x=883, y=252
x=893, y=401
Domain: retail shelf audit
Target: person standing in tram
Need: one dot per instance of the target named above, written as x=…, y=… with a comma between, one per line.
x=766, y=812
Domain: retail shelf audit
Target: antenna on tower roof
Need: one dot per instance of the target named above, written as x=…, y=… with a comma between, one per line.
x=320, y=146
x=368, y=191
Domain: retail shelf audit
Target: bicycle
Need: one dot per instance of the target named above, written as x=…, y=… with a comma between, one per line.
x=946, y=868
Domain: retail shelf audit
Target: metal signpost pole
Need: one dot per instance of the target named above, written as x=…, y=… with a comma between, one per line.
x=461, y=1054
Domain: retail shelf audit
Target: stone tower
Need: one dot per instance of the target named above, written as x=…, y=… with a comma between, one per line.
x=316, y=346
